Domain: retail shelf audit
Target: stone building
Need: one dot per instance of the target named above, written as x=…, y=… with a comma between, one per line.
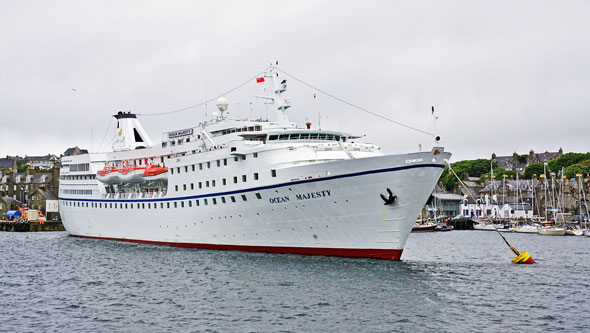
x=45, y=162
x=515, y=162
x=21, y=186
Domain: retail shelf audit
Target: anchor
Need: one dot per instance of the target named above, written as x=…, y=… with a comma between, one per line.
x=390, y=200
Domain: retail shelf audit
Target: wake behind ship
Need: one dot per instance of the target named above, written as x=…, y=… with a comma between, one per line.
x=249, y=185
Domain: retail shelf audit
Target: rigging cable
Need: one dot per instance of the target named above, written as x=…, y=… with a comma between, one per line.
x=354, y=106
x=207, y=101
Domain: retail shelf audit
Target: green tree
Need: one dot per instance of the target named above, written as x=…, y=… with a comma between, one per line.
x=522, y=158
x=474, y=168
x=23, y=167
x=534, y=168
x=566, y=160
x=574, y=169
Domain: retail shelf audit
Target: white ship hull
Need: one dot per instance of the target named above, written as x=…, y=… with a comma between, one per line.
x=338, y=214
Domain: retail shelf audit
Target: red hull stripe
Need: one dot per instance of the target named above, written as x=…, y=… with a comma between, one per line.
x=388, y=254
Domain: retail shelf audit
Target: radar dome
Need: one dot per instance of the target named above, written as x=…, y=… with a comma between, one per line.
x=214, y=115
x=222, y=104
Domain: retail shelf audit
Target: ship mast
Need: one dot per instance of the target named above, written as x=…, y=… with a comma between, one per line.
x=280, y=102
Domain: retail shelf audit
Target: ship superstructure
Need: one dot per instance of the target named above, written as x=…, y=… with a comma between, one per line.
x=249, y=185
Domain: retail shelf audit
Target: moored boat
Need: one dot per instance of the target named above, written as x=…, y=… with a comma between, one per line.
x=422, y=227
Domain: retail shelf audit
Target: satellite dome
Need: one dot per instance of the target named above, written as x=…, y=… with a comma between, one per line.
x=222, y=104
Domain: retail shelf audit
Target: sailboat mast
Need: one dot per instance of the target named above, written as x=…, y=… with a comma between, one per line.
x=545, y=188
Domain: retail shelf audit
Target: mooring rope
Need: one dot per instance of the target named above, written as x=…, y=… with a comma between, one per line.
x=482, y=210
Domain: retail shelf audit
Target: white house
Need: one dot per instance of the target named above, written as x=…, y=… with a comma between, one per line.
x=470, y=209
x=517, y=211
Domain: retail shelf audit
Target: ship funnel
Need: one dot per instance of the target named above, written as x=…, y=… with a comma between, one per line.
x=130, y=133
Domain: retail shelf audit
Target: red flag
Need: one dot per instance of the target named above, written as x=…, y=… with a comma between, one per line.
x=259, y=79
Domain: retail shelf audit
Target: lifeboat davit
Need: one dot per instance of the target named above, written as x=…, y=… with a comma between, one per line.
x=109, y=175
x=132, y=174
x=156, y=173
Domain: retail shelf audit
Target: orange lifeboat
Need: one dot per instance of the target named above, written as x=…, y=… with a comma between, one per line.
x=108, y=175
x=132, y=174
x=156, y=173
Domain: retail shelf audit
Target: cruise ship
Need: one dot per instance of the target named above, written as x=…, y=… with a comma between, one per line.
x=249, y=185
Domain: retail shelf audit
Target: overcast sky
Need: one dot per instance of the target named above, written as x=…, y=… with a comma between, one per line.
x=504, y=76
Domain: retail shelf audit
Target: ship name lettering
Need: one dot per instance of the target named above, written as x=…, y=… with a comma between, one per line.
x=313, y=195
x=276, y=200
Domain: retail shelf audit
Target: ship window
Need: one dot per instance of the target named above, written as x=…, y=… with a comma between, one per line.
x=184, y=187
x=178, y=170
x=190, y=203
x=175, y=204
x=214, y=201
x=193, y=167
x=238, y=129
x=233, y=199
x=284, y=137
x=188, y=139
x=87, y=205
x=256, y=176
x=142, y=206
x=243, y=178
x=192, y=186
x=111, y=205
x=200, y=166
x=322, y=137
x=179, y=141
x=243, y=157
x=149, y=205
x=224, y=181
x=207, y=183
x=125, y=206
x=258, y=128
x=137, y=136
x=182, y=204
x=225, y=161
x=313, y=136
x=197, y=202
x=200, y=185
x=99, y=205
x=235, y=158
x=167, y=205
x=244, y=197
x=132, y=206
x=304, y=137
x=218, y=163
x=186, y=168
x=213, y=183
x=115, y=205
x=258, y=196
x=235, y=180
x=161, y=205
x=208, y=165
x=205, y=202
x=251, y=129
x=172, y=143
x=255, y=155
x=164, y=144
x=272, y=137
x=330, y=137
x=273, y=173
x=294, y=137
x=176, y=188
x=223, y=199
